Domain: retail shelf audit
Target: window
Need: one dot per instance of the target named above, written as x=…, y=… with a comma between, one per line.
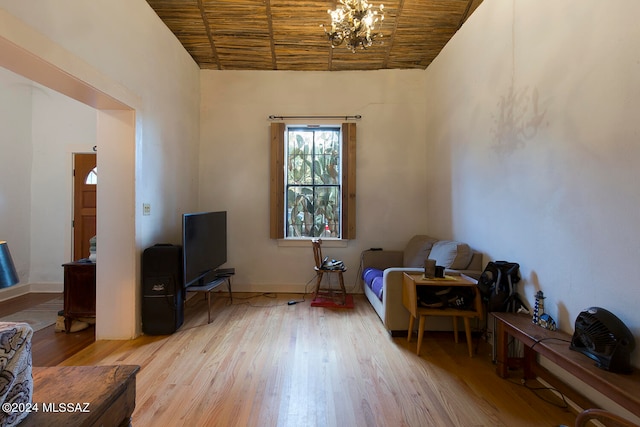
x=92, y=177
x=312, y=181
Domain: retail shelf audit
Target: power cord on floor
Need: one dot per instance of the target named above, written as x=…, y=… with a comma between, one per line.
x=535, y=390
x=306, y=291
x=272, y=295
x=353, y=289
x=290, y=302
x=248, y=300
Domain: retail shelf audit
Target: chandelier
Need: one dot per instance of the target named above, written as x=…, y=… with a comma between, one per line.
x=354, y=23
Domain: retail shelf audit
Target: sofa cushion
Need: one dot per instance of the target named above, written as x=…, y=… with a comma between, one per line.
x=450, y=254
x=373, y=279
x=417, y=251
x=371, y=273
x=377, y=288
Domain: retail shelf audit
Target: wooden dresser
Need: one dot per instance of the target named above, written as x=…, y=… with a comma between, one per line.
x=79, y=291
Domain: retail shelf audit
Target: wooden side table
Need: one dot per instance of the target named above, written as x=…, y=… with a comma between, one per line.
x=79, y=291
x=410, y=300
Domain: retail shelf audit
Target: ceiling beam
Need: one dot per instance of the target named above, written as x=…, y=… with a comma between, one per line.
x=330, y=59
x=214, y=52
x=385, y=63
x=274, y=63
x=465, y=15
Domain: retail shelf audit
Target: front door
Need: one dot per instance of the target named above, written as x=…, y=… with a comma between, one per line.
x=84, y=203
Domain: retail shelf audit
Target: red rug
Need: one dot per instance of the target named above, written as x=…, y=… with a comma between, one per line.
x=329, y=302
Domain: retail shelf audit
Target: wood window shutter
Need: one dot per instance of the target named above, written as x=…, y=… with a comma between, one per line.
x=276, y=182
x=348, y=180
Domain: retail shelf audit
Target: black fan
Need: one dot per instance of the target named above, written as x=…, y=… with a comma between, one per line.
x=600, y=335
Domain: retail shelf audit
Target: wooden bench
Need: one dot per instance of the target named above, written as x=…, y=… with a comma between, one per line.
x=623, y=389
x=83, y=396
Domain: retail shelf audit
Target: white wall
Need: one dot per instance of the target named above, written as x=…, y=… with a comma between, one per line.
x=534, y=124
x=15, y=173
x=139, y=63
x=234, y=162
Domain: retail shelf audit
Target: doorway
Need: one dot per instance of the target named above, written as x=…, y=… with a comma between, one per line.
x=85, y=184
x=23, y=51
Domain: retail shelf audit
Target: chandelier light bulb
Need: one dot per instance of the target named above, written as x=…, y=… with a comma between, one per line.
x=354, y=23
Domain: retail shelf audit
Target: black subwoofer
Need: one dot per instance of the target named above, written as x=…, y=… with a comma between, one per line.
x=162, y=290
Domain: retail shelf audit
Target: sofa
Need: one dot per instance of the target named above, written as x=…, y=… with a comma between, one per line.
x=382, y=273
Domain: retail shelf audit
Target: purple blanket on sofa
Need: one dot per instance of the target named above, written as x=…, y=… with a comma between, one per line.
x=372, y=277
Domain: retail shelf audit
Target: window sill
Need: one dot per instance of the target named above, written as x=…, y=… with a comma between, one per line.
x=306, y=242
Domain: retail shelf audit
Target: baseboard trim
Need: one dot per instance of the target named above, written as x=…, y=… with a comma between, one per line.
x=46, y=288
x=14, y=291
x=280, y=289
x=30, y=288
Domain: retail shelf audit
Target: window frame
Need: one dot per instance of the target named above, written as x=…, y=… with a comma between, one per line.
x=317, y=182
x=92, y=176
x=277, y=182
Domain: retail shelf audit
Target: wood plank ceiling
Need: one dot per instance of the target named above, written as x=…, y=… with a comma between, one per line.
x=286, y=34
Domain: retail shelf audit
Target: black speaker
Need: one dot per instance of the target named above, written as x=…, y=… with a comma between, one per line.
x=162, y=290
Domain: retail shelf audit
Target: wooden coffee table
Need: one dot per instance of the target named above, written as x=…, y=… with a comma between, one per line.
x=83, y=396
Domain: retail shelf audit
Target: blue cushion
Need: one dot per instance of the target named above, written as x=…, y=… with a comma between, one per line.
x=369, y=274
x=376, y=287
x=373, y=279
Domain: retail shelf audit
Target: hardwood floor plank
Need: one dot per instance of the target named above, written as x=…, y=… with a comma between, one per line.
x=262, y=362
x=48, y=347
x=24, y=302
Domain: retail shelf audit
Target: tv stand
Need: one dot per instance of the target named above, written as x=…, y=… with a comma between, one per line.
x=222, y=272
x=222, y=275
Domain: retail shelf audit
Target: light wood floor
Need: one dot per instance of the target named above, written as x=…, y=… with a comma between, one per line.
x=262, y=362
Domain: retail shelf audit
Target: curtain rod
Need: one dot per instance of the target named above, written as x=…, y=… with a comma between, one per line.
x=357, y=117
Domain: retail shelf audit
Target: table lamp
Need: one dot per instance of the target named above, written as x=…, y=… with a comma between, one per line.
x=8, y=274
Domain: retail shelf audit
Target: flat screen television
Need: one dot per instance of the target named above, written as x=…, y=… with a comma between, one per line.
x=204, y=246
